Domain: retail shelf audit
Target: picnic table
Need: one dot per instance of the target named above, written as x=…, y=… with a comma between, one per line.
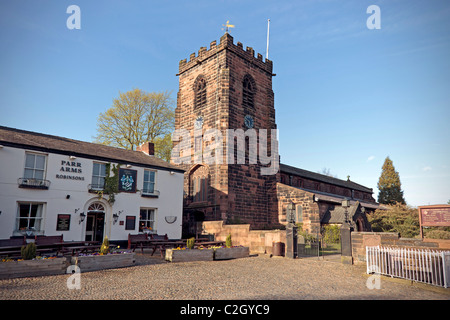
x=77, y=247
x=155, y=243
x=164, y=244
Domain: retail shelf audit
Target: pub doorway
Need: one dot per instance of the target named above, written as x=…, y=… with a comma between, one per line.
x=95, y=222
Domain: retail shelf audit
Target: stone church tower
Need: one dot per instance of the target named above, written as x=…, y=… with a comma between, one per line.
x=225, y=98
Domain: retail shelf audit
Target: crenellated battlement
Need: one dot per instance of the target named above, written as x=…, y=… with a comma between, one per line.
x=226, y=43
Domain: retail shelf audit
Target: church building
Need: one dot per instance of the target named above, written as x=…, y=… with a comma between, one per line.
x=225, y=139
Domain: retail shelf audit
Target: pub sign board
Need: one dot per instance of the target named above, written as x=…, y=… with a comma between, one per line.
x=434, y=216
x=127, y=180
x=63, y=222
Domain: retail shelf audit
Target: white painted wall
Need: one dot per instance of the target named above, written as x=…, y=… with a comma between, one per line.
x=12, y=161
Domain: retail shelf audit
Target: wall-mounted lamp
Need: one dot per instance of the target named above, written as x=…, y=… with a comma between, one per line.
x=72, y=157
x=82, y=216
x=116, y=216
x=128, y=165
x=172, y=173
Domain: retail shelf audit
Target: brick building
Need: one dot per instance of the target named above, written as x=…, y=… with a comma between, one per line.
x=225, y=140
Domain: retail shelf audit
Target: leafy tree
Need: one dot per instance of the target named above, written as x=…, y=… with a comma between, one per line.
x=389, y=184
x=136, y=117
x=399, y=218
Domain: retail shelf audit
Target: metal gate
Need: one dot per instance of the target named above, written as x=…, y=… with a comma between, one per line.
x=318, y=244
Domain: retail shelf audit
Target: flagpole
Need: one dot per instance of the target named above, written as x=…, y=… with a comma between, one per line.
x=267, y=51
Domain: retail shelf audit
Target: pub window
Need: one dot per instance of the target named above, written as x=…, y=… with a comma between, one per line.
x=34, y=166
x=147, y=220
x=29, y=216
x=248, y=92
x=149, y=181
x=98, y=176
x=200, y=92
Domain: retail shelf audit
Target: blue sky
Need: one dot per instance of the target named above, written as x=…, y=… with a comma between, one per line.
x=346, y=97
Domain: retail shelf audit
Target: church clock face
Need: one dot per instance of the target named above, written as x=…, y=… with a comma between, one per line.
x=248, y=121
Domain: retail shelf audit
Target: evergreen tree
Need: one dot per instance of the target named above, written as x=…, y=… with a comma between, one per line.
x=389, y=185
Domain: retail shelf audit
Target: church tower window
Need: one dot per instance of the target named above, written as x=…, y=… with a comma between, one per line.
x=248, y=93
x=200, y=92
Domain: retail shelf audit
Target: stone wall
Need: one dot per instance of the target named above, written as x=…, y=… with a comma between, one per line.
x=361, y=240
x=310, y=209
x=259, y=241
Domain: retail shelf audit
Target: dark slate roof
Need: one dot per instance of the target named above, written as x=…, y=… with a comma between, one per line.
x=59, y=145
x=323, y=178
x=337, y=215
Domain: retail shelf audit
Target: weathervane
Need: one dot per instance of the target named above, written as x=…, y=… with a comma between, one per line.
x=228, y=25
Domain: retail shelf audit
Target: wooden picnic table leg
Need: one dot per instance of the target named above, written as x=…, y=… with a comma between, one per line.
x=154, y=249
x=162, y=249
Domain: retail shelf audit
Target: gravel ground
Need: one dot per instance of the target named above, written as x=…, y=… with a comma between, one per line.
x=254, y=278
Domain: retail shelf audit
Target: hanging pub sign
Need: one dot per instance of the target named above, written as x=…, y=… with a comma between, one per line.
x=127, y=180
x=434, y=216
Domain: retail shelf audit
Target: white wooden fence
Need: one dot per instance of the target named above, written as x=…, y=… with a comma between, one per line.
x=421, y=265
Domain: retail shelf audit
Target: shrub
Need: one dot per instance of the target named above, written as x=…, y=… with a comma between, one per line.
x=331, y=234
x=228, y=241
x=437, y=233
x=190, y=243
x=28, y=252
x=399, y=218
x=104, y=249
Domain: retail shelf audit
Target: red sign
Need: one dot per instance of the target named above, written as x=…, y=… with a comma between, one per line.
x=435, y=216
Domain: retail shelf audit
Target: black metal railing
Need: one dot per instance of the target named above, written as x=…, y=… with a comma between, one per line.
x=33, y=183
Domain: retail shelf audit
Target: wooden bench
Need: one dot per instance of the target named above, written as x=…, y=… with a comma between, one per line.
x=12, y=246
x=159, y=237
x=48, y=244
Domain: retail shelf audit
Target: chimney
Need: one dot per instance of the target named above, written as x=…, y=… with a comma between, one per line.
x=147, y=148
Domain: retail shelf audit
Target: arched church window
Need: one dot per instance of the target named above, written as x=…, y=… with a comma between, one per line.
x=248, y=92
x=200, y=92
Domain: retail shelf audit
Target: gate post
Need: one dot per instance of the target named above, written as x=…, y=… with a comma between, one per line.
x=291, y=241
x=346, y=237
x=291, y=232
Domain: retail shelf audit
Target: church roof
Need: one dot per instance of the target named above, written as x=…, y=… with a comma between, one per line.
x=48, y=143
x=323, y=178
x=337, y=214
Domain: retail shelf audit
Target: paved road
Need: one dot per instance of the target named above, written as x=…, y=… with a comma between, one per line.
x=252, y=278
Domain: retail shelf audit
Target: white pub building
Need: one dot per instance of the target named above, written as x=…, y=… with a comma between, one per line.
x=51, y=185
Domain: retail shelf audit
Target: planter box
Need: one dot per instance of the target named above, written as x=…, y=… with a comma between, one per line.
x=108, y=261
x=189, y=255
x=231, y=253
x=33, y=268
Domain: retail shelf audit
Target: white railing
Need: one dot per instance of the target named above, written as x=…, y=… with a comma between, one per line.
x=421, y=265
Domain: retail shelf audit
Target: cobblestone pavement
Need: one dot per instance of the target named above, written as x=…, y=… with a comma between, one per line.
x=254, y=278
